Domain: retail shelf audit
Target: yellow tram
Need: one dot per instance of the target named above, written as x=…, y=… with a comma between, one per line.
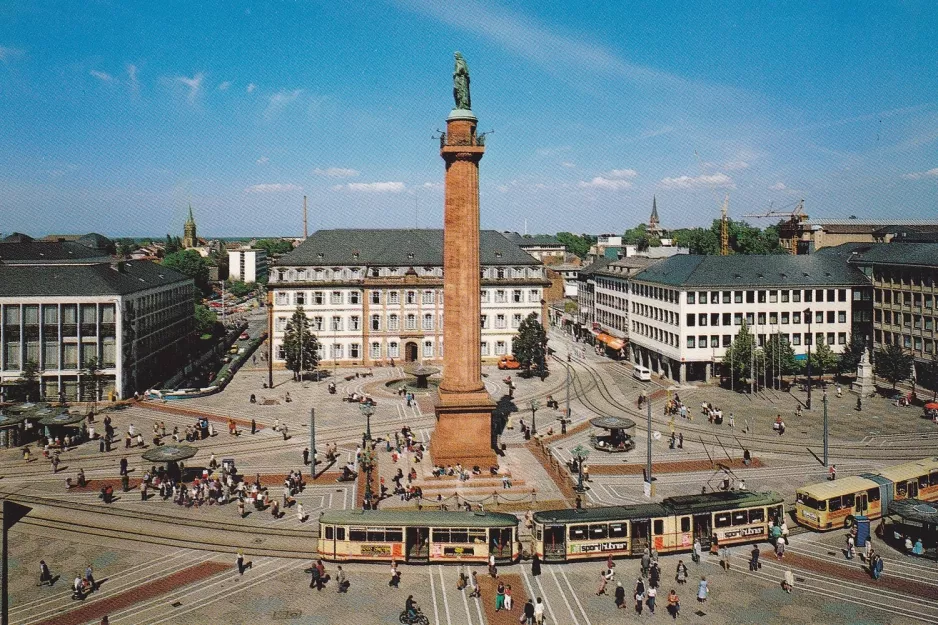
x=418, y=537
x=833, y=504
x=721, y=518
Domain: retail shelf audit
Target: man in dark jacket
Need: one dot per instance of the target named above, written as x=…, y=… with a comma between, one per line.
x=529, y=612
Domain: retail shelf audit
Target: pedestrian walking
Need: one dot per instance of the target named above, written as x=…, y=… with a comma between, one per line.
x=535, y=565
x=300, y=513
x=725, y=557
x=639, y=603
x=674, y=604
x=314, y=580
x=539, y=611
x=869, y=549
x=789, y=582
x=395, y=575
x=654, y=575
x=493, y=570
x=681, y=574
x=832, y=472
x=754, y=558
x=305, y=456
x=241, y=507
x=851, y=547
x=341, y=582
x=529, y=613
x=508, y=600
x=253, y=426
x=652, y=596
x=680, y=440
x=603, y=580
x=240, y=562
x=732, y=421
x=321, y=578
x=500, y=597
x=780, y=547
x=474, y=584
x=698, y=550
x=45, y=575
x=877, y=566
x=702, y=590
x=620, y=595
x=646, y=562
x=89, y=578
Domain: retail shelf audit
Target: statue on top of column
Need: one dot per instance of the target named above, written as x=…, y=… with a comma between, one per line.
x=461, y=83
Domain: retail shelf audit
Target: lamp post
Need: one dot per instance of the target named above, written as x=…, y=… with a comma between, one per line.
x=825, y=428
x=367, y=409
x=312, y=442
x=580, y=453
x=534, y=406
x=807, y=314
x=367, y=459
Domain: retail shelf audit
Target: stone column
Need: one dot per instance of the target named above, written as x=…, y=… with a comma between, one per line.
x=464, y=409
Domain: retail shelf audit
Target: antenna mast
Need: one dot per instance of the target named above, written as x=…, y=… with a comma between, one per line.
x=305, y=233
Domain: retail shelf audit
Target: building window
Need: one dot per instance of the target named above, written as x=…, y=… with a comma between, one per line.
x=761, y=318
x=784, y=297
x=354, y=350
x=701, y=319
x=318, y=298
x=785, y=317
x=691, y=342
x=428, y=322
x=376, y=350
x=336, y=323
x=500, y=322
x=500, y=273
x=394, y=297
x=714, y=297
x=691, y=299
x=796, y=317
x=691, y=320
x=484, y=296
x=516, y=296
x=499, y=348
x=714, y=340
x=376, y=297
x=335, y=298
x=819, y=316
x=393, y=322
x=534, y=295
x=427, y=349
x=796, y=296
x=317, y=323
x=394, y=350
x=484, y=348
x=484, y=319
x=280, y=324
x=281, y=353
x=376, y=322
x=750, y=318
x=841, y=338
x=355, y=324
x=761, y=297
x=702, y=341
x=726, y=296
x=796, y=339
x=411, y=322
x=515, y=321
x=428, y=297
x=500, y=297
x=830, y=316
x=773, y=318
x=283, y=299
x=354, y=297
x=727, y=340
x=737, y=319
x=841, y=295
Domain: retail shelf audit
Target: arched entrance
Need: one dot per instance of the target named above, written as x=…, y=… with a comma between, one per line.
x=410, y=352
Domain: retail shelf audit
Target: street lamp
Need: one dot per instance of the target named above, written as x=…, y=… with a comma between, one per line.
x=367, y=409
x=534, y=406
x=367, y=460
x=807, y=314
x=580, y=453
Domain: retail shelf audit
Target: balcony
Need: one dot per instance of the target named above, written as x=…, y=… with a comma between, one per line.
x=472, y=140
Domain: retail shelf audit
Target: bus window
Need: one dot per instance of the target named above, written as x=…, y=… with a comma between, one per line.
x=394, y=535
x=849, y=500
x=740, y=517
x=659, y=527
x=329, y=532
x=933, y=478
x=375, y=534
x=835, y=504
x=873, y=494
x=923, y=481
x=340, y=533
x=814, y=504
x=598, y=531
x=579, y=532
x=757, y=515
x=618, y=530
x=685, y=524
x=723, y=520
x=357, y=534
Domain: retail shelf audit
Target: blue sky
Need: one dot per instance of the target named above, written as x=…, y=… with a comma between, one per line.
x=114, y=116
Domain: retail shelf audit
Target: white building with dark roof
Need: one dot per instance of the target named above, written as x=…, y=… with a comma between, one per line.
x=62, y=304
x=377, y=295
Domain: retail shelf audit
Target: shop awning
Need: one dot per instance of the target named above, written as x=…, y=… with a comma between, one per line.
x=610, y=341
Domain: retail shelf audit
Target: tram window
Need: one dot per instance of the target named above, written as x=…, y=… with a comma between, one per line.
x=476, y=536
x=872, y=494
x=740, y=517
x=901, y=489
x=618, y=530
x=441, y=536
x=579, y=532
x=538, y=533
x=659, y=527
x=933, y=478
x=394, y=536
x=599, y=531
x=757, y=515
x=330, y=532
x=357, y=534
x=849, y=500
x=340, y=533
x=723, y=520
x=835, y=504
x=375, y=535
x=458, y=536
x=923, y=481
x=685, y=524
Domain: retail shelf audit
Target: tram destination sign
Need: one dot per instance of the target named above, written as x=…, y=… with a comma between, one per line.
x=745, y=532
x=608, y=546
x=376, y=550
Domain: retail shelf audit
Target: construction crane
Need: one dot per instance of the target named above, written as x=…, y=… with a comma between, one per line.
x=789, y=231
x=724, y=213
x=796, y=214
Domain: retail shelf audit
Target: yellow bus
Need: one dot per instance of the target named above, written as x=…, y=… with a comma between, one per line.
x=914, y=480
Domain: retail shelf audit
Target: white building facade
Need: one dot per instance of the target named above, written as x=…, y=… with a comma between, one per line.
x=686, y=310
x=373, y=296
x=247, y=265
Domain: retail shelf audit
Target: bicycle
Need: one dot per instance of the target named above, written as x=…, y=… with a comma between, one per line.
x=419, y=619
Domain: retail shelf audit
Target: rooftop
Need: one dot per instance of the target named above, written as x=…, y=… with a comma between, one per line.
x=779, y=270
x=76, y=280
x=531, y=240
x=912, y=254
x=395, y=248
x=21, y=249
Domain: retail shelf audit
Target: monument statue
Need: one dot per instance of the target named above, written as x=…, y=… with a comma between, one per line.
x=461, y=84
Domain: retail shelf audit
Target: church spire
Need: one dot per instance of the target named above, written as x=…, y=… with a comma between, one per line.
x=189, y=237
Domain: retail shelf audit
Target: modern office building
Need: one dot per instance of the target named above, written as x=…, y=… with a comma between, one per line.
x=686, y=310
x=247, y=265
x=62, y=304
x=376, y=295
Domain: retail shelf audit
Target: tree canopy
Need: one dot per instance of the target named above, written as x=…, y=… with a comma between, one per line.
x=238, y=288
x=578, y=244
x=739, y=356
x=274, y=246
x=300, y=346
x=190, y=263
x=823, y=359
x=205, y=320
x=893, y=364
x=743, y=239
x=850, y=358
x=779, y=356
x=529, y=346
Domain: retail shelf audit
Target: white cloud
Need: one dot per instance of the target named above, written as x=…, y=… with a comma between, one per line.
x=132, y=77
x=262, y=160
x=9, y=53
x=622, y=173
x=276, y=187
x=915, y=175
x=432, y=185
x=194, y=85
x=610, y=184
x=735, y=165
x=251, y=87
x=224, y=86
x=568, y=164
x=102, y=76
x=778, y=186
x=693, y=182
x=372, y=187
x=279, y=101
x=336, y=172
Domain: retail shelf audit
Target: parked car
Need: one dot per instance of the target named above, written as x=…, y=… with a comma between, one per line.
x=508, y=362
x=244, y=336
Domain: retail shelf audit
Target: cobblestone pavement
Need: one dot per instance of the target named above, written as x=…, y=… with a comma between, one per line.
x=136, y=546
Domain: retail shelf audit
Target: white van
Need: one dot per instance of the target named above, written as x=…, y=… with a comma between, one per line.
x=641, y=373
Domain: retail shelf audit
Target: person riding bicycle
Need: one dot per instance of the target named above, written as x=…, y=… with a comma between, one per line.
x=410, y=606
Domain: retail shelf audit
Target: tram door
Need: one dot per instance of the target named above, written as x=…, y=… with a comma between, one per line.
x=641, y=534
x=703, y=529
x=500, y=542
x=555, y=542
x=418, y=544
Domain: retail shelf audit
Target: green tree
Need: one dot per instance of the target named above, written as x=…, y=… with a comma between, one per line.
x=125, y=247
x=698, y=240
x=931, y=375
x=190, y=263
x=739, y=356
x=577, y=244
x=779, y=356
x=823, y=360
x=274, y=246
x=300, y=345
x=850, y=359
x=893, y=364
x=206, y=320
x=28, y=382
x=529, y=345
x=172, y=245
x=91, y=378
x=238, y=288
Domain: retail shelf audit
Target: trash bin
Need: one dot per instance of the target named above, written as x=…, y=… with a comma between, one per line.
x=863, y=530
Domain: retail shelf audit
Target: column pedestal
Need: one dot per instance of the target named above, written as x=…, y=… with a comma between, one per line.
x=463, y=431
